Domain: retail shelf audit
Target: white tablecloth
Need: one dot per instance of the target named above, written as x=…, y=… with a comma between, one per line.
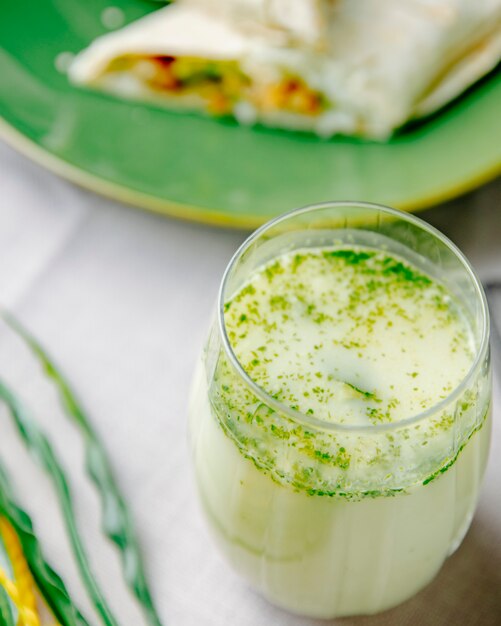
x=122, y=298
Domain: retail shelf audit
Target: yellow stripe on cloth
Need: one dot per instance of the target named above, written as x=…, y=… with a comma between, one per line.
x=21, y=590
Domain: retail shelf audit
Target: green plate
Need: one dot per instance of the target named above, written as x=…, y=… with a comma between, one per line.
x=215, y=171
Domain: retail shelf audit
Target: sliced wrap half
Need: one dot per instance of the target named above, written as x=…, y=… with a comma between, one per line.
x=387, y=61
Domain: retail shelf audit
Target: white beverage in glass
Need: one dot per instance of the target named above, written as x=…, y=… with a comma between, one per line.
x=340, y=417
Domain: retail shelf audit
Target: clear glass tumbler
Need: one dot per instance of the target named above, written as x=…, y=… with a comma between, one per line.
x=356, y=537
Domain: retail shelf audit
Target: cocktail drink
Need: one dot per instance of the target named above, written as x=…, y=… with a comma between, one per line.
x=340, y=416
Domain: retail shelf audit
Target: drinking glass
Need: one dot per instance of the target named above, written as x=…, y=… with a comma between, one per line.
x=367, y=532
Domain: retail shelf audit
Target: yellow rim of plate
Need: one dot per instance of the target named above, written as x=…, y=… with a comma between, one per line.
x=139, y=199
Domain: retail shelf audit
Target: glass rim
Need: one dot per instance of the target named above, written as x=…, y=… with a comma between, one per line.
x=309, y=420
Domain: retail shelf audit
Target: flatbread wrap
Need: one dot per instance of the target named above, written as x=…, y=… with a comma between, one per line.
x=387, y=61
